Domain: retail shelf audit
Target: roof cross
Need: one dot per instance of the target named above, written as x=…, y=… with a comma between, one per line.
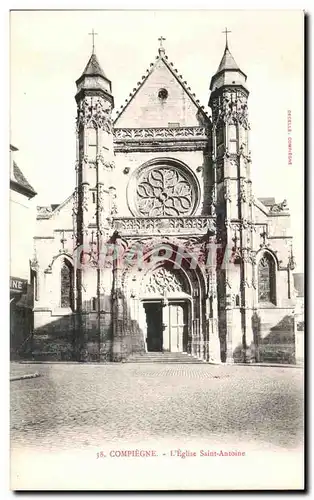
x=161, y=39
x=226, y=33
x=161, y=49
x=93, y=35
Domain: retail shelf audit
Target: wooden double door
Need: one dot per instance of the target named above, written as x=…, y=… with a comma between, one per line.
x=167, y=326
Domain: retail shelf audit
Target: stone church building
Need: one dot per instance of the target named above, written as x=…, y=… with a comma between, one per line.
x=163, y=247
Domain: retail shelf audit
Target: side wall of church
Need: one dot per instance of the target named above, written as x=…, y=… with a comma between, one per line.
x=56, y=327
x=275, y=322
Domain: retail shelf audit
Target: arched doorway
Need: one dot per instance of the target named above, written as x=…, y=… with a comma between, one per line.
x=166, y=299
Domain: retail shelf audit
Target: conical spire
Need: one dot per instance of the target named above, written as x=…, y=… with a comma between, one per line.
x=93, y=68
x=227, y=61
x=228, y=72
x=93, y=78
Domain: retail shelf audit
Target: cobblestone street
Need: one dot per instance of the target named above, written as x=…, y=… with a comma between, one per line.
x=74, y=406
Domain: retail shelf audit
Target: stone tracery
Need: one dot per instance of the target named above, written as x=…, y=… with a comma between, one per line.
x=164, y=191
x=162, y=281
x=94, y=112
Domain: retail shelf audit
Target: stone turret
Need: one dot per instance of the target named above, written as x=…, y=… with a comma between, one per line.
x=232, y=190
x=93, y=195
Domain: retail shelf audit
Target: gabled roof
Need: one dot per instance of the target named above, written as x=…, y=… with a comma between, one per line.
x=268, y=202
x=259, y=204
x=48, y=211
x=20, y=183
x=56, y=208
x=162, y=57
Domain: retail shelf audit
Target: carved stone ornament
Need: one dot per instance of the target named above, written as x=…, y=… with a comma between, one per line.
x=144, y=224
x=84, y=192
x=113, y=202
x=48, y=270
x=100, y=204
x=226, y=154
x=245, y=255
x=228, y=224
x=279, y=207
x=84, y=228
x=165, y=191
x=227, y=282
x=242, y=190
x=253, y=257
x=117, y=295
x=242, y=150
x=291, y=261
x=162, y=281
x=159, y=133
x=44, y=212
x=100, y=158
x=231, y=108
x=95, y=112
x=75, y=202
x=245, y=284
x=109, y=165
x=227, y=194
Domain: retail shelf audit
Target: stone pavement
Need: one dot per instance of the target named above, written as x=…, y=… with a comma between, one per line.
x=73, y=406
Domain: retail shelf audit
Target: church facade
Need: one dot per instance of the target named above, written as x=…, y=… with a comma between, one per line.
x=162, y=246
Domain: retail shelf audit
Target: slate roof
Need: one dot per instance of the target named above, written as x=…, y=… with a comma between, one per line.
x=268, y=202
x=93, y=68
x=227, y=62
x=19, y=179
x=177, y=76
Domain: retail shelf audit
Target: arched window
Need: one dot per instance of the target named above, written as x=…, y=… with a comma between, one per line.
x=267, y=279
x=67, y=285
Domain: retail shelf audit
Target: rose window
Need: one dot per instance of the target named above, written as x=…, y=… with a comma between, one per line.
x=165, y=191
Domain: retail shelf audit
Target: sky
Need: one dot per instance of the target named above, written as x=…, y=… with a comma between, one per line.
x=49, y=50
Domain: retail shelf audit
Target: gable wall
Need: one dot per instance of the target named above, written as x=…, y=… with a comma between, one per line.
x=147, y=110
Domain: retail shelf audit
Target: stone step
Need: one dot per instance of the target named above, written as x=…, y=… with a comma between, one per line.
x=159, y=357
x=166, y=361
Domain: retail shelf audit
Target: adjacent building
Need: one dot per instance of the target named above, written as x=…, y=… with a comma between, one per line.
x=22, y=217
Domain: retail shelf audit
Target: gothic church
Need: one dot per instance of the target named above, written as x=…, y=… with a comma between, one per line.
x=163, y=176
